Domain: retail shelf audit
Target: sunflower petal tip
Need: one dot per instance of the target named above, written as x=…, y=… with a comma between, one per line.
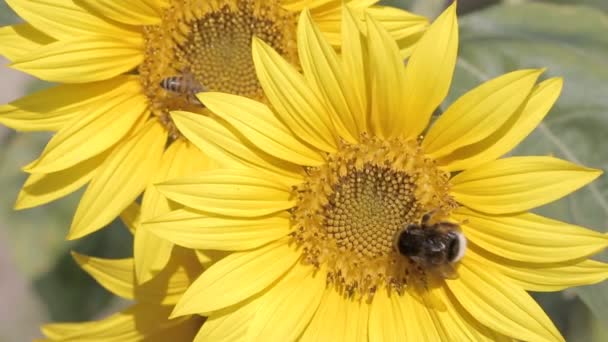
x=79, y=258
x=178, y=311
x=72, y=236
x=76, y=232
x=20, y=202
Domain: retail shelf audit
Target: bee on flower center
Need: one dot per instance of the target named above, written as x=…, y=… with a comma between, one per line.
x=185, y=85
x=432, y=247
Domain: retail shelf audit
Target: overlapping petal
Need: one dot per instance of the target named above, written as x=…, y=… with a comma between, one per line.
x=230, y=149
x=329, y=322
x=93, y=132
x=65, y=19
x=518, y=184
x=200, y=230
x=133, y=12
x=387, y=76
x=501, y=305
x=429, y=73
x=323, y=69
x=82, y=59
x=228, y=324
x=528, y=237
x=18, y=40
x=121, y=178
x=152, y=253
x=511, y=133
x=138, y=322
x=292, y=99
x=231, y=192
x=41, y=188
x=459, y=325
x=258, y=123
x=237, y=277
x=118, y=277
x=404, y=27
x=287, y=308
x=386, y=320
x=479, y=113
x=355, y=68
x=51, y=109
x=546, y=276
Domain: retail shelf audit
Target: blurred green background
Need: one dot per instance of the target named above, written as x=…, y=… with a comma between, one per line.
x=39, y=282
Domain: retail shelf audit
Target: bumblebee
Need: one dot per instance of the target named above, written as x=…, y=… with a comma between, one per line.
x=433, y=247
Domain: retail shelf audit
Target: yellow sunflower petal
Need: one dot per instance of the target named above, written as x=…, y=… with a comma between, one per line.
x=226, y=146
x=501, y=305
x=237, y=277
x=118, y=277
x=259, y=124
x=18, y=40
x=402, y=26
x=228, y=324
x=429, y=72
x=387, y=76
x=421, y=323
x=323, y=69
x=132, y=12
x=459, y=325
x=120, y=179
x=511, y=133
x=329, y=321
x=355, y=67
x=528, y=237
x=133, y=324
x=543, y=277
x=288, y=307
x=51, y=109
x=40, y=188
x=185, y=330
x=479, y=113
x=199, y=230
x=151, y=252
x=65, y=19
x=386, y=321
x=231, y=192
x=131, y=217
x=405, y=27
x=519, y=183
x=293, y=100
x=81, y=59
x=314, y=5
x=92, y=133
x=115, y=275
x=357, y=319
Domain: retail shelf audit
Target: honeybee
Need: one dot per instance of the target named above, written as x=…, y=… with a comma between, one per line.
x=184, y=84
x=433, y=247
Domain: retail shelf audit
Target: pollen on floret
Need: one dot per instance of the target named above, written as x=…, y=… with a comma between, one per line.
x=210, y=41
x=349, y=211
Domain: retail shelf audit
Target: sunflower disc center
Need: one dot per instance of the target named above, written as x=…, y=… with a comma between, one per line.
x=368, y=207
x=207, y=45
x=350, y=210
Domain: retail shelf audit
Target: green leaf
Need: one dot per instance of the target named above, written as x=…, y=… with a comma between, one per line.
x=600, y=4
x=571, y=42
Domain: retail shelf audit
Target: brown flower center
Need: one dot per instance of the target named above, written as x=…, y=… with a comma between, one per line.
x=206, y=45
x=350, y=211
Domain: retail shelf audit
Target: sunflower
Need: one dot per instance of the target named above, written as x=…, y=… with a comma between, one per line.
x=124, y=65
x=321, y=245
x=147, y=319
